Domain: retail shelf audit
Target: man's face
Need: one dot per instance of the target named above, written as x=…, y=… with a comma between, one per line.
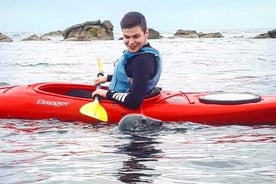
x=134, y=38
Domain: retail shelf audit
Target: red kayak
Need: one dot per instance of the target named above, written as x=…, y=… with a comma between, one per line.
x=63, y=101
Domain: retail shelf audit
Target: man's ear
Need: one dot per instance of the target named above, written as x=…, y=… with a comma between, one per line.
x=147, y=33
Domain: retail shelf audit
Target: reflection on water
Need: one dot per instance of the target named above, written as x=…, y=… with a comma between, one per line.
x=141, y=151
x=63, y=152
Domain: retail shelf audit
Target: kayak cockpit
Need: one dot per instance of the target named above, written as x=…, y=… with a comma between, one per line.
x=64, y=89
x=77, y=90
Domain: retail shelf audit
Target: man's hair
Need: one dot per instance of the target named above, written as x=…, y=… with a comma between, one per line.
x=132, y=19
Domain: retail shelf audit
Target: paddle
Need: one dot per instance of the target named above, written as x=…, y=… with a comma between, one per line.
x=95, y=109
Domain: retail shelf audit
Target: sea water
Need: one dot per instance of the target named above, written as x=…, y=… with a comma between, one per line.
x=50, y=151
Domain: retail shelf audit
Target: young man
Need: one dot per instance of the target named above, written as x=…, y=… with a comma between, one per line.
x=138, y=70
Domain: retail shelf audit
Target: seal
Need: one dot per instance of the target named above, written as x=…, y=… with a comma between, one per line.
x=139, y=123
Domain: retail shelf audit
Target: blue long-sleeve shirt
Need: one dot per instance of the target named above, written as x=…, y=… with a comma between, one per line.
x=141, y=69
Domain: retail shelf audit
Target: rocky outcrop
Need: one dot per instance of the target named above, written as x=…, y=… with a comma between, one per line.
x=269, y=34
x=5, y=38
x=193, y=34
x=153, y=34
x=272, y=33
x=90, y=30
x=34, y=37
x=210, y=35
x=186, y=33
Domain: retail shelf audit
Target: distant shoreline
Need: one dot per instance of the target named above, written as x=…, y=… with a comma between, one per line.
x=227, y=33
x=161, y=31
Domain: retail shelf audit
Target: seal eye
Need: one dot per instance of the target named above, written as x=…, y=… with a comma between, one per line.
x=143, y=121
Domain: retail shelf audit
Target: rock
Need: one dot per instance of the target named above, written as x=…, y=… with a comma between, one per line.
x=90, y=30
x=211, y=35
x=34, y=37
x=193, y=34
x=181, y=32
x=5, y=38
x=272, y=33
x=269, y=34
x=263, y=35
x=153, y=34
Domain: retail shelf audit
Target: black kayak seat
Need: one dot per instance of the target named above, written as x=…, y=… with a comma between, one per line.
x=80, y=93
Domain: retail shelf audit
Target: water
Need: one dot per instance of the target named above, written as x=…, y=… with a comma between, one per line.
x=49, y=151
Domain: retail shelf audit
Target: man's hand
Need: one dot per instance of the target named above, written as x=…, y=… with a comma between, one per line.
x=101, y=92
x=100, y=80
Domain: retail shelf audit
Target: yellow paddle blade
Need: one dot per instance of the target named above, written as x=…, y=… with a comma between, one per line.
x=94, y=110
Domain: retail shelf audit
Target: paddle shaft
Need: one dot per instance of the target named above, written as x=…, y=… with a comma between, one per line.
x=98, y=86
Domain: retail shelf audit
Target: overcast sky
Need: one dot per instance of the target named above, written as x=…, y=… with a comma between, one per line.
x=162, y=15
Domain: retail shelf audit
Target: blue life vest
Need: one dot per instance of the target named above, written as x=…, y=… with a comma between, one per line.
x=121, y=82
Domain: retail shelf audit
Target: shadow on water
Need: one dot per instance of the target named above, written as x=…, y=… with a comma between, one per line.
x=141, y=151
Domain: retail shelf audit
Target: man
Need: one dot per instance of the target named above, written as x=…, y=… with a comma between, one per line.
x=138, y=71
